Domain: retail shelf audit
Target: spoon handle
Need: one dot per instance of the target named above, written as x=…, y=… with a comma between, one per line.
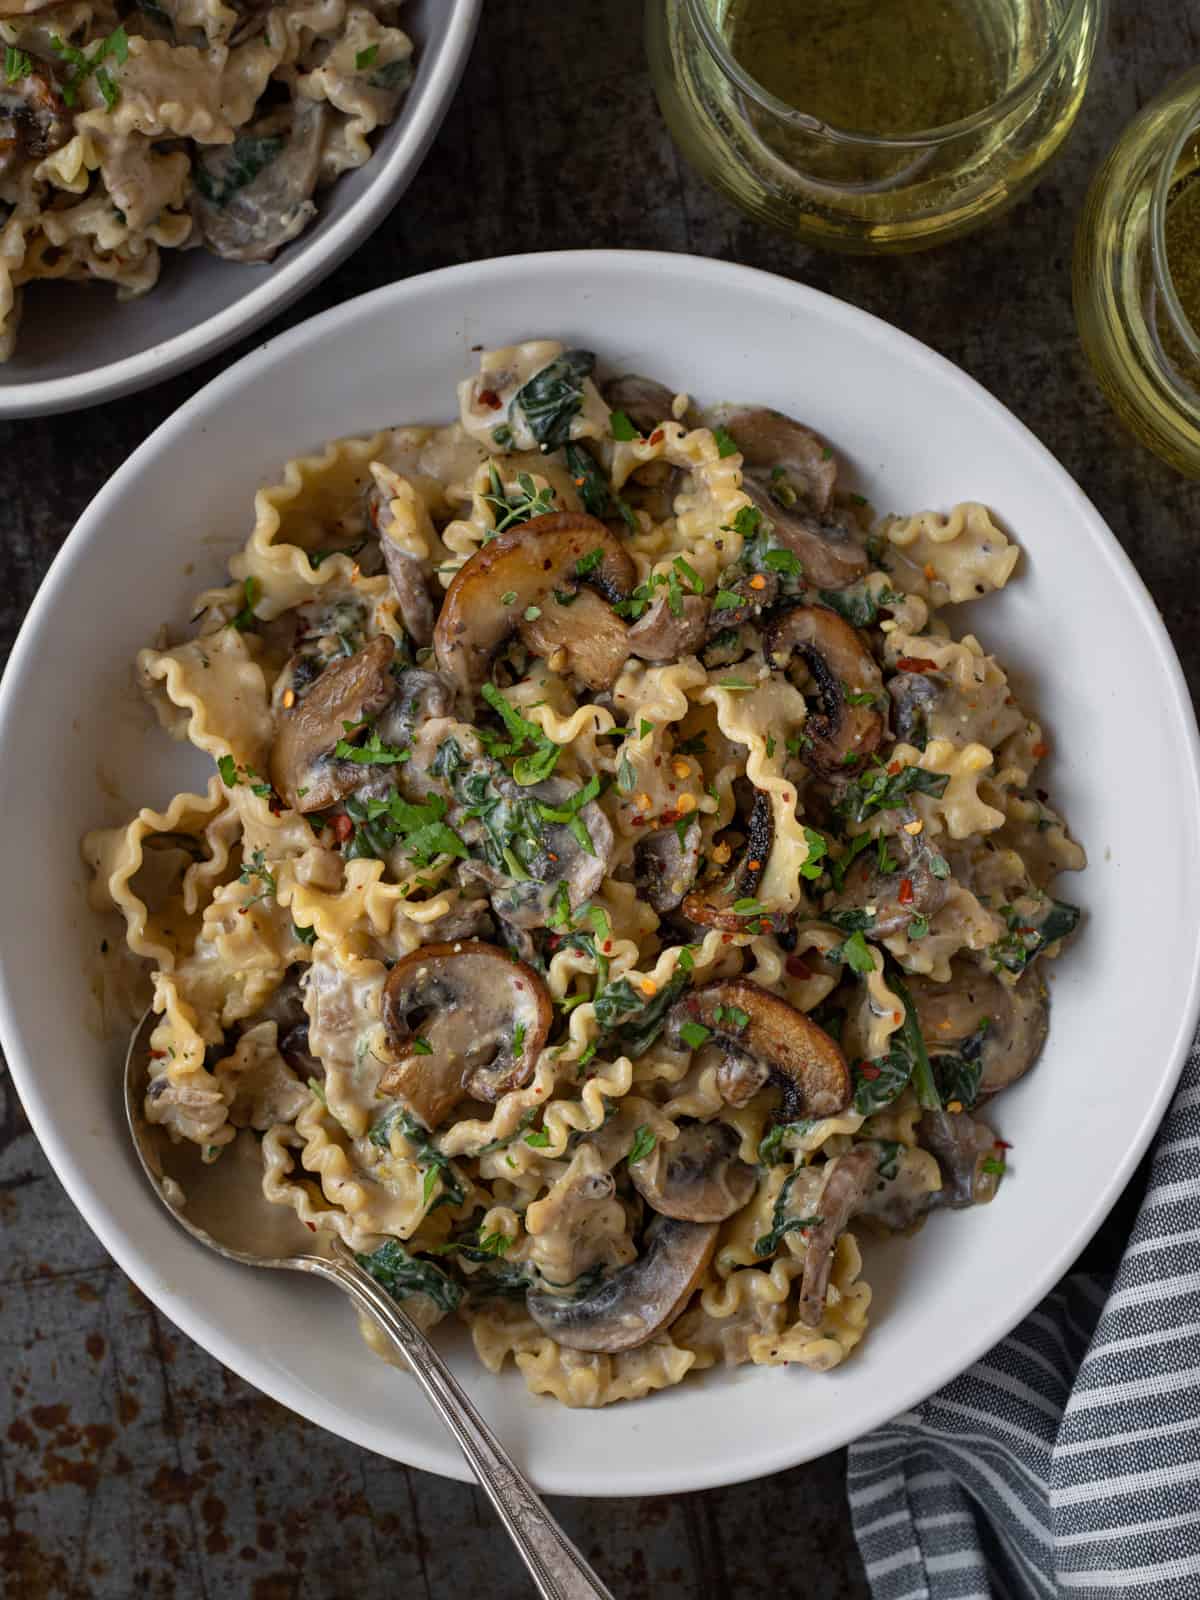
x=556, y=1567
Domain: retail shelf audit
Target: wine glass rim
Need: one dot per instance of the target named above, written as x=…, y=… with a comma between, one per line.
x=923, y=137
x=1189, y=128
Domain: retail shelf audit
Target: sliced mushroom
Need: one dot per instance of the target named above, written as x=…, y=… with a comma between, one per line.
x=840, y=735
x=915, y=697
x=790, y=473
x=630, y=1307
x=583, y=638
x=960, y=1145
x=419, y=697
x=666, y=865
x=530, y=562
x=482, y=1017
x=661, y=635
x=697, y=1176
x=895, y=897
x=783, y=1046
x=849, y=1180
x=33, y=118
x=645, y=402
x=411, y=586
x=711, y=905
x=778, y=449
x=1005, y=1024
x=354, y=689
x=253, y=196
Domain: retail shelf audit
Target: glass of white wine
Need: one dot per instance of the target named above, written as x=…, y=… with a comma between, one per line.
x=1137, y=274
x=871, y=125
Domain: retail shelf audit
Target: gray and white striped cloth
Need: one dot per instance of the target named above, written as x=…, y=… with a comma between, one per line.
x=1067, y=1462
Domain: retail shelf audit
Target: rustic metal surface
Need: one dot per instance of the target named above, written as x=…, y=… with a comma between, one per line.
x=131, y=1464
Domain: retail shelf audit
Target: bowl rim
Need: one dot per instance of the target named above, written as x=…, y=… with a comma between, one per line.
x=596, y=1479
x=284, y=283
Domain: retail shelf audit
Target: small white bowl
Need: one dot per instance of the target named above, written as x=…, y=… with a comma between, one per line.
x=1075, y=626
x=78, y=344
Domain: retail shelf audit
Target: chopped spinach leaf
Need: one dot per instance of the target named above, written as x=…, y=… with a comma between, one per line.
x=403, y=1275
x=553, y=397
x=781, y=1223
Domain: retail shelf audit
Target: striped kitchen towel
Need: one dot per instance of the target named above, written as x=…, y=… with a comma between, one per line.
x=1067, y=1462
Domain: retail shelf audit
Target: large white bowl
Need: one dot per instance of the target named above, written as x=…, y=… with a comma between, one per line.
x=78, y=344
x=1076, y=626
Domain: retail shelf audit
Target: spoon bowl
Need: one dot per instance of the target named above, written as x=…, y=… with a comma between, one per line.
x=222, y=1205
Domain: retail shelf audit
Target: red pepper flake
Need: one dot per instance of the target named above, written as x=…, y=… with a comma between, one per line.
x=916, y=664
x=157, y=1055
x=554, y=941
x=670, y=816
x=905, y=896
x=342, y=827
x=637, y=822
x=275, y=806
x=311, y=1226
x=754, y=866
x=893, y=768
x=1002, y=1144
x=1041, y=749
x=658, y=761
x=490, y=399
x=798, y=967
x=657, y=436
x=607, y=947
x=867, y=1071
x=551, y=855
x=726, y=938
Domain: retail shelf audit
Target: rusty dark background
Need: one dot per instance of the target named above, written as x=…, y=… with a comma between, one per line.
x=133, y=1465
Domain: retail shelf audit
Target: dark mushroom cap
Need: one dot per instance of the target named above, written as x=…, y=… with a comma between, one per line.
x=631, y=1305
x=697, y=1176
x=484, y=1017
x=711, y=905
x=531, y=561
x=798, y=1055
x=351, y=689
x=661, y=635
x=666, y=866
x=841, y=736
x=251, y=221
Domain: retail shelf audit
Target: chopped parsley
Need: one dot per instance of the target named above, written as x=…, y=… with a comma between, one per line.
x=643, y=1144
x=856, y=953
x=772, y=1149
x=818, y=849
x=878, y=789
x=304, y=935
x=786, y=562
x=567, y=814
x=83, y=66
x=420, y=1046
x=380, y=825
x=621, y=428
x=726, y=444
x=599, y=498
x=694, y=1034
x=746, y=522
x=372, y=752
x=366, y=58
x=17, y=64
x=251, y=593
x=530, y=767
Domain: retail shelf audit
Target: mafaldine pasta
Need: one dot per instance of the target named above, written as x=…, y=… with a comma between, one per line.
x=124, y=133
x=616, y=888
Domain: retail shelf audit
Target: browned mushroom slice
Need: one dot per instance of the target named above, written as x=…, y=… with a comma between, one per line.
x=1001, y=1026
x=529, y=563
x=33, y=119
x=777, y=449
x=253, y=196
x=662, y=635
x=643, y=401
x=697, y=1176
x=782, y=1045
x=467, y=1021
x=411, y=588
x=849, y=1180
x=711, y=905
x=353, y=689
x=840, y=735
x=630, y=1307
x=754, y=592
x=584, y=639
x=666, y=865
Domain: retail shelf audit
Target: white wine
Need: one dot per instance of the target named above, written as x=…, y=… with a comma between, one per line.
x=872, y=124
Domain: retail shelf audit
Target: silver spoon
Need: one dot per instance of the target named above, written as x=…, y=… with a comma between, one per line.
x=222, y=1205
